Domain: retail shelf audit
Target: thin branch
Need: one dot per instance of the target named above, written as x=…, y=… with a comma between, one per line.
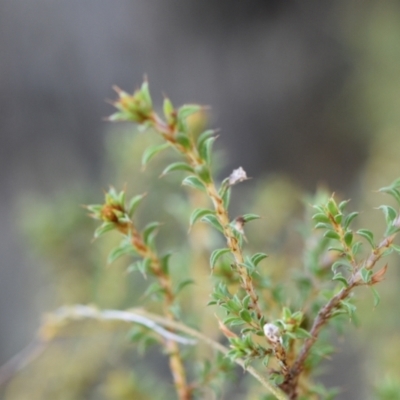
x=215, y=345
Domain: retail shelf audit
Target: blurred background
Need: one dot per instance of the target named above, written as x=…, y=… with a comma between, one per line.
x=305, y=93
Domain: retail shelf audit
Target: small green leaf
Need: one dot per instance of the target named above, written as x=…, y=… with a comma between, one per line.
x=366, y=275
x=348, y=219
x=103, y=228
x=377, y=297
x=144, y=89
x=165, y=262
x=206, y=148
x=340, y=278
x=245, y=315
x=216, y=254
x=250, y=217
x=342, y=205
x=302, y=334
x=134, y=203
x=390, y=214
x=151, y=151
x=168, y=109
x=198, y=213
x=149, y=231
x=332, y=207
x=154, y=288
x=204, y=136
x=348, y=238
x=187, y=110
x=320, y=217
x=213, y=221
x=338, y=218
x=356, y=248
x=368, y=235
x=256, y=258
x=332, y=235
x=183, y=139
x=226, y=197
x=183, y=284
x=194, y=182
x=119, y=251
x=322, y=225
x=178, y=166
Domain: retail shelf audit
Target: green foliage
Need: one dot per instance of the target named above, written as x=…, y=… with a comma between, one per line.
x=274, y=318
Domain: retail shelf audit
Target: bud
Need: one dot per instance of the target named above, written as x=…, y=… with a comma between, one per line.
x=272, y=333
x=237, y=175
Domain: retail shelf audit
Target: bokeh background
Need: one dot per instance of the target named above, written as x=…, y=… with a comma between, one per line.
x=304, y=92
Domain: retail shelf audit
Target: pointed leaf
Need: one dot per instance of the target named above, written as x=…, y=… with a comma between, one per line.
x=256, y=258
x=178, y=166
x=199, y=213
x=194, y=182
x=119, y=251
x=187, y=110
x=213, y=221
x=339, y=277
x=368, y=235
x=216, y=254
x=134, y=203
x=206, y=148
x=349, y=218
x=149, y=230
x=103, y=228
x=250, y=217
x=377, y=298
x=183, y=284
x=204, y=136
x=151, y=151
x=332, y=235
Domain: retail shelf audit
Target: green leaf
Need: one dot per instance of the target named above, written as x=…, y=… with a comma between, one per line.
x=178, y=166
x=342, y=205
x=245, y=315
x=213, y=221
x=348, y=238
x=103, y=228
x=332, y=207
x=183, y=284
x=204, y=136
x=390, y=214
x=134, y=203
x=322, y=225
x=302, y=334
x=146, y=93
x=368, y=235
x=183, y=139
x=377, y=297
x=194, y=182
x=356, y=248
x=392, y=190
x=216, y=254
x=340, y=278
x=320, y=217
x=332, y=235
x=226, y=197
x=151, y=151
x=206, y=148
x=149, y=231
x=366, y=275
x=168, y=109
x=348, y=219
x=154, y=288
x=338, y=218
x=165, y=262
x=256, y=258
x=125, y=248
x=250, y=217
x=187, y=110
x=198, y=213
